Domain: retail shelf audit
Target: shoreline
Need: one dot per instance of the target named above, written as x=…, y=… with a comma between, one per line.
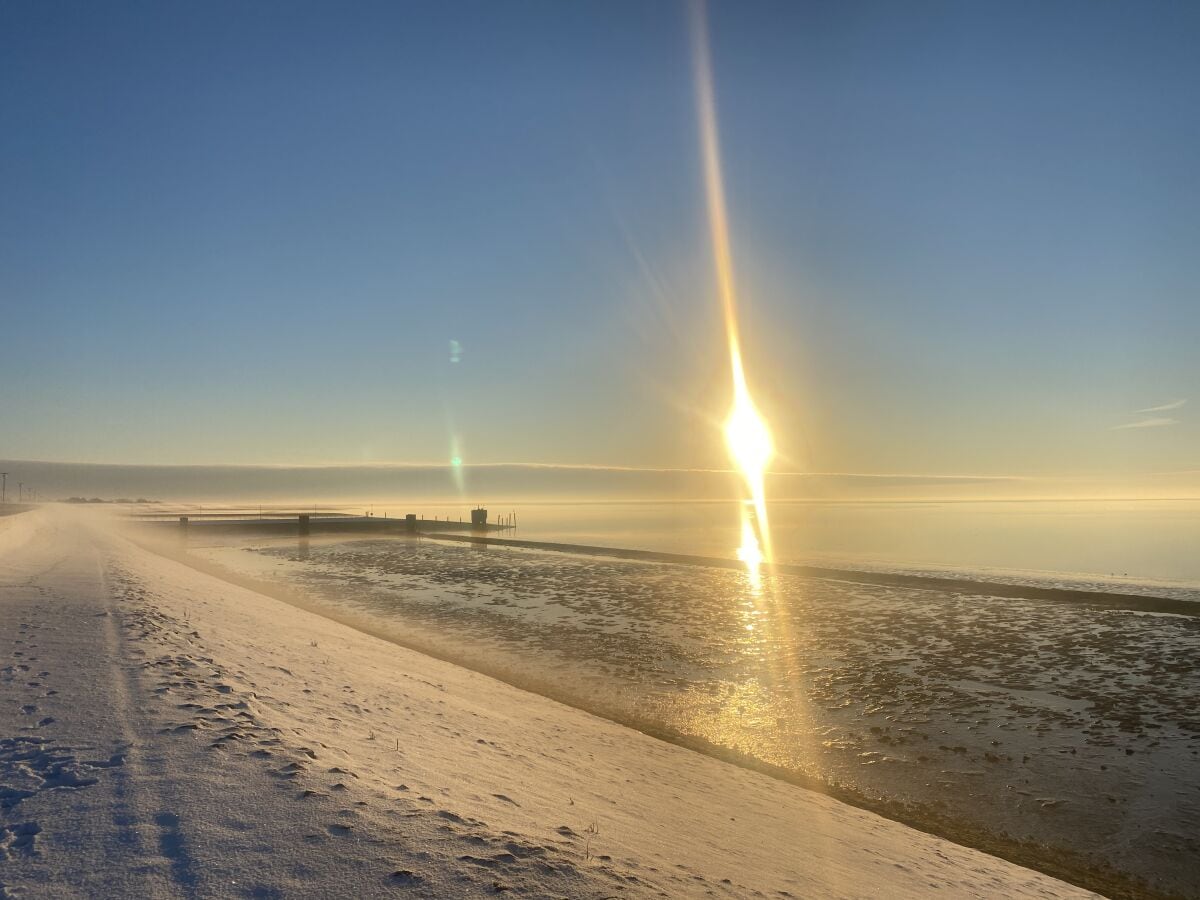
x=1057, y=862
x=394, y=528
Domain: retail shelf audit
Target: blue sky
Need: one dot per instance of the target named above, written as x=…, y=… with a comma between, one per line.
x=965, y=234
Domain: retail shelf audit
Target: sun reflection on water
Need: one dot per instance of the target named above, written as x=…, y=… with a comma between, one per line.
x=751, y=554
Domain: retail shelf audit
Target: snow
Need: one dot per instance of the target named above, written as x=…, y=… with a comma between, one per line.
x=166, y=733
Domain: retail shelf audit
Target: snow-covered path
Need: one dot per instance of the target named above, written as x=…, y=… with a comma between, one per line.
x=165, y=733
x=103, y=794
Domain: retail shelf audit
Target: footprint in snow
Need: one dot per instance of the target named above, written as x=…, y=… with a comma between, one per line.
x=20, y=838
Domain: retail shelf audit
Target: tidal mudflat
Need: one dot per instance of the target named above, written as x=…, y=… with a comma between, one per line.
x=1063, y=734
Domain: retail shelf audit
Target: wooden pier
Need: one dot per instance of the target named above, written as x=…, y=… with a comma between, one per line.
x=305, y=524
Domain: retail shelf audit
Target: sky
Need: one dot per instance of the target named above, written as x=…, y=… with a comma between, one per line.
x=327, y=233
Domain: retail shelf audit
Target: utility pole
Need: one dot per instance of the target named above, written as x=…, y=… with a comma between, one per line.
x=3, y=487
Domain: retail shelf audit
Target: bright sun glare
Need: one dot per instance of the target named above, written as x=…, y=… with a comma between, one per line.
x=749, y=442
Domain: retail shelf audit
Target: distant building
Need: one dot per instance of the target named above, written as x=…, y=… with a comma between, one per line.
x=479, y=517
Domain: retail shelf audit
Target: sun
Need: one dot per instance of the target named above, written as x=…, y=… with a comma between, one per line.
x=748, y=440
x=746, y=433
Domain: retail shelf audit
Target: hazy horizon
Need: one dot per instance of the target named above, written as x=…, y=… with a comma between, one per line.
x=466, y=484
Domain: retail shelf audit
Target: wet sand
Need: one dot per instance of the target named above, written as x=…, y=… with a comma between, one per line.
x=1091, y=595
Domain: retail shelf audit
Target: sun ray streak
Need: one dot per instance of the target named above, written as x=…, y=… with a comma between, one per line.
x=747, y=436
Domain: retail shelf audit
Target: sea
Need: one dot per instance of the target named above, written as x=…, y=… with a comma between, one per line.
x=1155, y=541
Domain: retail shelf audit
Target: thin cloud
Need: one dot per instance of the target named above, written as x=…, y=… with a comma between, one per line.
x=1156, y=422
x=1174, y=404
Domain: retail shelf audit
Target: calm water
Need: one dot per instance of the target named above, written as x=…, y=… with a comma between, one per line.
x=1142, y=541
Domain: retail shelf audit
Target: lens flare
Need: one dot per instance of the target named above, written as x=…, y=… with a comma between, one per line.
x=747, y=436
x=456, y=466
